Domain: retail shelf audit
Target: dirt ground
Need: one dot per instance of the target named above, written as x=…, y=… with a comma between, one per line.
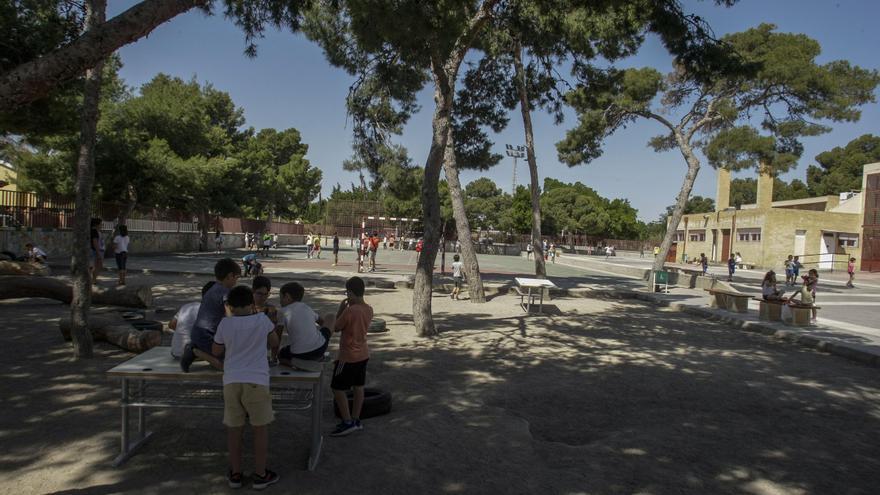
x=598, y=397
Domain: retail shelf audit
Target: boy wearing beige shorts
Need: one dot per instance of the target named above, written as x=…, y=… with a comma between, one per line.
x=241, y=340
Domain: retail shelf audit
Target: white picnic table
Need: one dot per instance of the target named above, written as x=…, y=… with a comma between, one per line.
x=154, y=379
x=534, y=283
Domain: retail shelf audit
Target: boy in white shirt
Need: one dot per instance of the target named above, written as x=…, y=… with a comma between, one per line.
x=456, y=276
x=241, y=340
x=183, y=322
x=307, y=332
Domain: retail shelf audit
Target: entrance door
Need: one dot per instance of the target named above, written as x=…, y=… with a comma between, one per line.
x=826, y=250
x=800, y=242
x=673, y=253
x=871, y=225
x=725, y=244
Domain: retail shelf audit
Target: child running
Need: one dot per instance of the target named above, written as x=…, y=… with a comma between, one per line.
x=241, y=341
x=350, y=369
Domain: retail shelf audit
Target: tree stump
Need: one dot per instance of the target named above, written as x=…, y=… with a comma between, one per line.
x=22, y=268
x=118, y=332
x=135, y=296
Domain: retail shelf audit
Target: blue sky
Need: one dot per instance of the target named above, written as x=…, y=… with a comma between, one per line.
x=290, y=84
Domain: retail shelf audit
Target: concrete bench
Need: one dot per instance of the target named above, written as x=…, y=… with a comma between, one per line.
x=730, y=300
x=745, y=266
x=770, y=309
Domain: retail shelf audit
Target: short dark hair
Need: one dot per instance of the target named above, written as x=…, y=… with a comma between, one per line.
x=224, y=267
x=96, y=222
x=261, y=281
x=123, y=230
x=456, y=257
x=240, y=296
x=356, y=286
x=207, y=287
x=294, y=290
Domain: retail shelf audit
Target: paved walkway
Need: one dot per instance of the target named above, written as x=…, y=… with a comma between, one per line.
x=847, y=321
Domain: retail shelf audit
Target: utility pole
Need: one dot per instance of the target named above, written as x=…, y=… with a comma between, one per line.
x=515, y=152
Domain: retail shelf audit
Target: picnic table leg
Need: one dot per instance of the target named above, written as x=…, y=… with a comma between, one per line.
x=541, y=302
x=317, y=439
x=126, y=447
x=529, y=310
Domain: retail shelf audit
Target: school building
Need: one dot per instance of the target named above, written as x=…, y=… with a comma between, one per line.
x=824, y=231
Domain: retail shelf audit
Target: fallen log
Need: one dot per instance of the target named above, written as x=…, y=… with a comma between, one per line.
x=117, y=332
x=135, y=296
x=22, y=268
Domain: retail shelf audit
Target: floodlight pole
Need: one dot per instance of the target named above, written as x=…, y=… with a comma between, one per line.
x=515, y=152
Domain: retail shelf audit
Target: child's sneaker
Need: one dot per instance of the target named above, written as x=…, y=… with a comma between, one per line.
x=187, y=358
x=234, y=479
x=358, y=425
x=269, y=478
x=344, y=428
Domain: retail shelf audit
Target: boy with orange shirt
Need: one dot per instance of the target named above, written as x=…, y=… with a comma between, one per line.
x=350, y=369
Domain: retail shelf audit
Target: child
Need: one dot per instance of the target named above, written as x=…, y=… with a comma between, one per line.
x=731, y=267
x=183, y=321
x=306, y=340
x=241, y=342
x=795, y=269
x=350, y=369
x=335, y=248
x=35, y=254
x=851, y=270
x=250, y=262
x=768, y=287
x=120, y=250
x=789, y=270
x=316, y=250
x=211, y=311
x=218, y=242
x=704, y=262
x=456, y=276
x=262, y=287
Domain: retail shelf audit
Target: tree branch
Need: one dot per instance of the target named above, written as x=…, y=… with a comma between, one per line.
x=466, y=40
x=35, y=79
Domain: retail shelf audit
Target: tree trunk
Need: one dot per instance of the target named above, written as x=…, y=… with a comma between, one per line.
x=132, y=296
x=35, y=79
x=118, y=332
x=85, y=178
x=469, y=256
x=683, y=195
x=22, y=268
x=525, y=107
x=130, y=203
x=444, y=90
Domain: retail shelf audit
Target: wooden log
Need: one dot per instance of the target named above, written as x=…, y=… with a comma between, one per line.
x=135, y=296
x=116, y=331
x=23, y=268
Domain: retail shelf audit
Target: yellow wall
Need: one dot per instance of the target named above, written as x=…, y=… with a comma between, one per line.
x=7, y=174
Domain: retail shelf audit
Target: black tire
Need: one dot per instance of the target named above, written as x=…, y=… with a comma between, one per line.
x=144, y=325
x=377, y=326
x=376, y=403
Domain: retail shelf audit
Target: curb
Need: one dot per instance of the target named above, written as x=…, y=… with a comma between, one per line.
x=793, y=336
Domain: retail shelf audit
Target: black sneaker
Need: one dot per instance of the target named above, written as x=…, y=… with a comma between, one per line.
x=187, y=358
x=234, y=479
x=358, y=425
x=344, y=428
x=270, y=478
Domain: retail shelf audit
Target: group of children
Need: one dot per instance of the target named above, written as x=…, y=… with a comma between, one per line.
x=805, y=295
x=235, y=329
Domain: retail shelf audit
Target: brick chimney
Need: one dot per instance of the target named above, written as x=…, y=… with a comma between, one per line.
x=765, y=188
x=722, y=190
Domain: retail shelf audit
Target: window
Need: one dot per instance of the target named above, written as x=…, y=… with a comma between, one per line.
x=698, y=236
x=679, y=236
x=749, y=235
x=850, y=240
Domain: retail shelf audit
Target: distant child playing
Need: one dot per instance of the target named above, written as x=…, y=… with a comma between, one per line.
x=211, y=311
x=350, y=369
x=456, y=276
x=851, y=270
x=241, y=341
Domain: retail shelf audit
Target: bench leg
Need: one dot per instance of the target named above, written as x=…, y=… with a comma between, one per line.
x=317, y=438
x=127, y=448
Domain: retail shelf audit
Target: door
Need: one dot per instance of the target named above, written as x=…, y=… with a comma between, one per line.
x=827, y=247
x=871, y=225
x=673, y=252
x=800, y=242
x=725, y=245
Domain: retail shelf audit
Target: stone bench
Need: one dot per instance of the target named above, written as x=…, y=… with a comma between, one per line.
x=771, y=310
x=730, y=300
